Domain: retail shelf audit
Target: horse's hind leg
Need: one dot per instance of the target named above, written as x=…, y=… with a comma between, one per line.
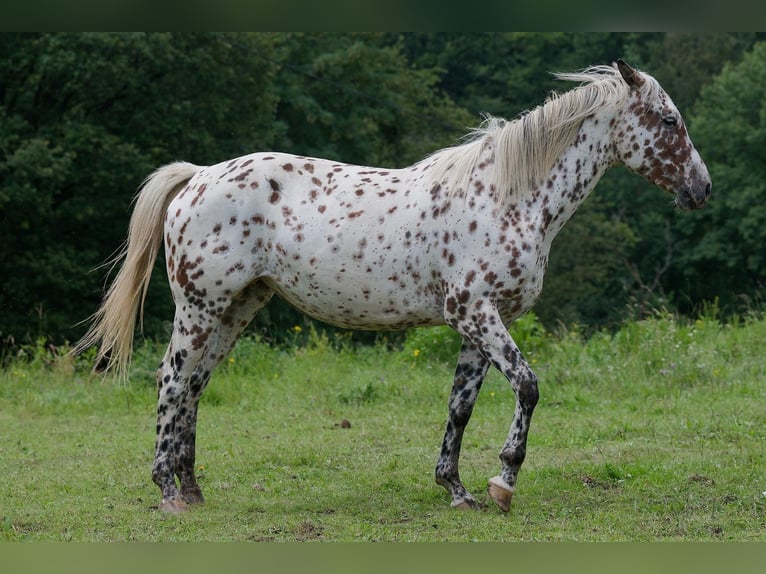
x=469, y=376
x=177, y=374
x=233, y=321
x=181, y=378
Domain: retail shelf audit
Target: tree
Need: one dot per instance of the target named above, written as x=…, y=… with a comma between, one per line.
x=84, y=118
x=725, y=258
x=354, y=97
x=684, y=62
x=505, y=74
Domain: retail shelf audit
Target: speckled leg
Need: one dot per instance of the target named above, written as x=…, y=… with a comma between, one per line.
x=484, y=328
x=524, y=383
x=182, y=378
x=176, y=375
x=469, y=376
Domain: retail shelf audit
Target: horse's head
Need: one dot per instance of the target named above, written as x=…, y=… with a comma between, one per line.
x=651, y=140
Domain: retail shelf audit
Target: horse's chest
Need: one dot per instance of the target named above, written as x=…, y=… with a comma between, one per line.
x=523, y=287
x=510, y=271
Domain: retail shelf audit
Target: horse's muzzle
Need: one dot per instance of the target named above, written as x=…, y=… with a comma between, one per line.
x=694, y=196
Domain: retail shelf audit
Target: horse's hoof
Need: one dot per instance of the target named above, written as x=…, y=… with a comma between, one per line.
x=501, y=492
x=174, y=506
x=193, y=496
x=465, y=504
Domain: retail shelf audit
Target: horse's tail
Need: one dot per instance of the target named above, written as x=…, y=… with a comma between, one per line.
x=114, y=322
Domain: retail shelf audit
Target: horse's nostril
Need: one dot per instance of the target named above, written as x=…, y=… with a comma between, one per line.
x=708, y=189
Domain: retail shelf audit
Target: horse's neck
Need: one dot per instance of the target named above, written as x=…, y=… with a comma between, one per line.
x=572, y=178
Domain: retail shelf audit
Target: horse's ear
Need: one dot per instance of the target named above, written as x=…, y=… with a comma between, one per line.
x=631, y=76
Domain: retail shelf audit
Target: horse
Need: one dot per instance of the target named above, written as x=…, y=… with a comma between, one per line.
x=460, y=238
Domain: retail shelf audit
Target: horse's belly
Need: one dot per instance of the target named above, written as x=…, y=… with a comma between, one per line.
x=351, y=301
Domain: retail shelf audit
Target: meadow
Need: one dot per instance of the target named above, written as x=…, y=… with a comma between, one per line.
x=651, y=433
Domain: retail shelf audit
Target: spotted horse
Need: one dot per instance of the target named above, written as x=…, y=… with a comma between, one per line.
x=460, y=238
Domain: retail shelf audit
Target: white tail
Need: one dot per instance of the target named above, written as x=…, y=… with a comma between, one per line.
x=114, y=322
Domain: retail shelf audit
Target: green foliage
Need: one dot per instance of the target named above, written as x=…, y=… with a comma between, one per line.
x=353, y=97
x=432, y=345
x=505, y=74
x=725, y=256
x=529, y=334
x=588, y=280
x=684, y=63
x=359, y=395
x=429, y=345
x=84, y=119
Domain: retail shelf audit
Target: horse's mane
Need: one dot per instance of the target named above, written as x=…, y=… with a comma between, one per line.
x=526, y=148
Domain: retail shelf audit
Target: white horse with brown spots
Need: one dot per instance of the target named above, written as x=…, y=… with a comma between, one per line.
x=460, y=238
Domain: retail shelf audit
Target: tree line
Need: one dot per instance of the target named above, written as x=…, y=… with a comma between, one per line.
x=85, y=117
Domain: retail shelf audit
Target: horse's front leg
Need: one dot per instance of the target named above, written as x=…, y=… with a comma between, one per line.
x=524, y=383
x=484, y=328
x=469, y=376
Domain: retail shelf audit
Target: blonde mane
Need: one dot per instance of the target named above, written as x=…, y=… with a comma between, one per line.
x=526, y=149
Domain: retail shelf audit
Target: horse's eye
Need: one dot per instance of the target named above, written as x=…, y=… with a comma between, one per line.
x=669, y=120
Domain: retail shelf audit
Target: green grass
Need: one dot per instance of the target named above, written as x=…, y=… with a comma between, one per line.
x=654, y=433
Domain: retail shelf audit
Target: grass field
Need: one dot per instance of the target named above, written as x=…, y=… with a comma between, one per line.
x=652, y=433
